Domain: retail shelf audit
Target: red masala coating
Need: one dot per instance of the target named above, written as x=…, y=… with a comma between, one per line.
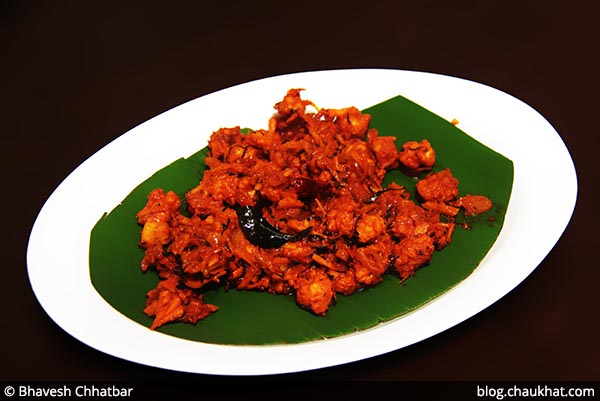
x=319, y=169
x=438, y=187
x=417, y=156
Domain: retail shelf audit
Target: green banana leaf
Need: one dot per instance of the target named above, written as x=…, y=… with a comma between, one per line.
x=256, y=318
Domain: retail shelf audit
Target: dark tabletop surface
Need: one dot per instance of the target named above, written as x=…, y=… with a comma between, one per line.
x=76, y=75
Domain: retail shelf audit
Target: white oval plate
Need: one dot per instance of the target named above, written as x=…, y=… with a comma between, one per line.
x=57, y=254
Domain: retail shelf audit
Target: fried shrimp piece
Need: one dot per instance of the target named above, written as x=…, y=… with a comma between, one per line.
x=314, y=291
x=371, y=262
x=160, y=209
x=156, y=218
x=417, y=156
x=409, y=220
x=370, y=227
x=438, y=187
x=291, y=104
x=385, y=150
x=344, y=282
x=351, y=122
x=169, y=303
x=411, y=253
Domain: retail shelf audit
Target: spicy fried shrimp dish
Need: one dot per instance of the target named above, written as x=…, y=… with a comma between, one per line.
x=299, y=209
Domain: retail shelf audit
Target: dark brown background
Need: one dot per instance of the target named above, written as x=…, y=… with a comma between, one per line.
x=78, y=74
